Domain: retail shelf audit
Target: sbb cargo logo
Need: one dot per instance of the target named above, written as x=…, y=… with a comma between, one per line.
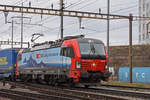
x=3, y=61
x=46, y=55
x=38, y=56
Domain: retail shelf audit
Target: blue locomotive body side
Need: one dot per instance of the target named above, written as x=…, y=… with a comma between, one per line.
x=44, y=58
x=140, y=74
x=7, y=62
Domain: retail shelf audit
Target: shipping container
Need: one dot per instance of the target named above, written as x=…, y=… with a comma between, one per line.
x=140, y=74
x=8, y=61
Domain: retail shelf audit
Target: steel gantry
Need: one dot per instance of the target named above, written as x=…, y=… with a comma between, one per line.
x=44, y=11
x=14, y=43
x=70, y=13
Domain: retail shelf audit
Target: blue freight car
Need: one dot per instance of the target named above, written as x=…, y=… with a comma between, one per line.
x=8, y=62
x=140, y=74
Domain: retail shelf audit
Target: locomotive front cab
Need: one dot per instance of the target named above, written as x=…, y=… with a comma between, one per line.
x=92, y=61
x=88, y=63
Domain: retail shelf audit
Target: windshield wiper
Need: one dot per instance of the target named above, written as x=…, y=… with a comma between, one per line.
x=92, y=49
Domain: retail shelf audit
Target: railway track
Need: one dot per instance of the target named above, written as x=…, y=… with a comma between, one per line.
x=73, y=93
x=127, y=87
x=130, y=94
x=138, y=95
x=94, y=93
x=18, y=95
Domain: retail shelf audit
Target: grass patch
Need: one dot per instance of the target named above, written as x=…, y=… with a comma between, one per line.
x=142, y=85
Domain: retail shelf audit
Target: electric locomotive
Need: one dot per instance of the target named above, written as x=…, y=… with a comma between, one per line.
x=74, y=59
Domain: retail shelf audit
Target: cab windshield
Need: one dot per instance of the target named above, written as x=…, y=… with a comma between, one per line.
x=92, y=50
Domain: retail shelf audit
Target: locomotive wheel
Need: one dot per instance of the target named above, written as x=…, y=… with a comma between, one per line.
x=56, y=84
x=47, y=82
x=71, y=83
x=86, y=86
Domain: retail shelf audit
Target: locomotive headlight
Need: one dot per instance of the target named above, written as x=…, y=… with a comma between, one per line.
x=106, y=67
x=78, y=64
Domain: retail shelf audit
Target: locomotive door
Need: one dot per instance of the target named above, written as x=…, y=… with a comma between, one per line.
x=66, y=59
x=65, y=63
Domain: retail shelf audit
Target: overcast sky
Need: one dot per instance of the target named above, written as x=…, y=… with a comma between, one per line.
x=93, y=28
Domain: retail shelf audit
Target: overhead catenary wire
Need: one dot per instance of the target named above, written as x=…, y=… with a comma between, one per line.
x=75, y=4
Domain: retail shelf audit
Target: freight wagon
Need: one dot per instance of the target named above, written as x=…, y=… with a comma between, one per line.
x=8, y=62
x=140, y=74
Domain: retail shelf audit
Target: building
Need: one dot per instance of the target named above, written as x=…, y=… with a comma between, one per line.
x=144, y=25
x=119, y=57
